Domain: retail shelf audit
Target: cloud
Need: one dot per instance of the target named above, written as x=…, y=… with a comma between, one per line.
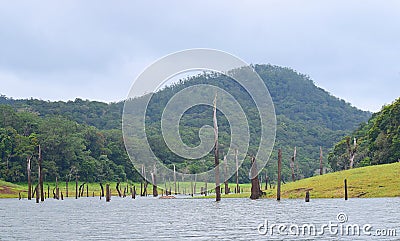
x=94, y=49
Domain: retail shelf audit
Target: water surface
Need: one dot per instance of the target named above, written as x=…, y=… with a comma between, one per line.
x=191, y=219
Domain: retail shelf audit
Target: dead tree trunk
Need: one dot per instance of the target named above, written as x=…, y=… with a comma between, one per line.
x=216, y=157
x=297, y=174
x=28, y=170
x=226, y=177
x=154, y=180
x=278, y=190
x=352, y=151
x=102, y=190
x=66, y=187
x=292, y=167
x=76, y=186
x=255, y=183
x=119, y=192
x=108, y=193
x=321, y=167
x=195, y=182
x=40, y=175
x=175, y=181
x=81, y=189
x=37, y=193
x=57, y=189
x=237, y=171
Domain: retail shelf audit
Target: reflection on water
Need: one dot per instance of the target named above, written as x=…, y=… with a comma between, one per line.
x=197, y=219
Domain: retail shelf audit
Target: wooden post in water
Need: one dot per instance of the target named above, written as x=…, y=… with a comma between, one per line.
x=307, y=196
x=28, y=170
x=266, y=180
x=87, y=190
x=345, y=189
x=278, y=190
x=134, y=192
x=48, y=191
x=321, y=167
x=216, y=158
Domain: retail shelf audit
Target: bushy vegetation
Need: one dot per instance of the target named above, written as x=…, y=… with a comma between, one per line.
x=378, y=141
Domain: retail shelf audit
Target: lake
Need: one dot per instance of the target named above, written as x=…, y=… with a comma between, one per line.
x=147, y=218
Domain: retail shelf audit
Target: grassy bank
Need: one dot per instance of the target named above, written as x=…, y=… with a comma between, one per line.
x=367, y=182
x=372, y=181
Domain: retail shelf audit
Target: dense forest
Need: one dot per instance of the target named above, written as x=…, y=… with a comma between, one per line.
x=85, y=137
x=375, y=142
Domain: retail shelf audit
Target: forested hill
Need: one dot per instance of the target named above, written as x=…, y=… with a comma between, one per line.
x=377, y=142
x=308, y=117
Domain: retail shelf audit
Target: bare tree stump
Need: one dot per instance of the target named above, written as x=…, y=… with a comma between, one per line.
x=255, y=184
x=119, y=192
x=307, y=196
x=108, y=193
x=102, y=190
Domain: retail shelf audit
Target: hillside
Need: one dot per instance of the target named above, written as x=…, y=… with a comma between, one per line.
x=377, y=142
x=373, y=181
x=308, y=117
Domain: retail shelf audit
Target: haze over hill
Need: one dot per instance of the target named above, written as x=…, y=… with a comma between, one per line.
x=308, y=117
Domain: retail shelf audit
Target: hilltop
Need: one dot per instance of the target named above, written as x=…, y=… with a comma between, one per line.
x=88, y=133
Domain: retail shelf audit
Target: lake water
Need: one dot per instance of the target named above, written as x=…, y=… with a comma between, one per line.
x=198, y=219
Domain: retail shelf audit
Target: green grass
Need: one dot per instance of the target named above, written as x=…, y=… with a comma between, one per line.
x=372, y=181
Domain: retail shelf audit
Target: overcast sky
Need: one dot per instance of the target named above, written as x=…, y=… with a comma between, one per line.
x=60, y=50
